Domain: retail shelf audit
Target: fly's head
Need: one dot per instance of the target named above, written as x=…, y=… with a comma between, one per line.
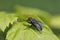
x=30, y=19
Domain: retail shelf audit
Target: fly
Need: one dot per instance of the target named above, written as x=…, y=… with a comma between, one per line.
x=35, y=23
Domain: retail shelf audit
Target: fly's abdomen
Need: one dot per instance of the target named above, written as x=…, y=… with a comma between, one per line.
x=38, y=26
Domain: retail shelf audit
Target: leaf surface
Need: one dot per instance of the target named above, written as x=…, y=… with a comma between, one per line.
x=5, y=19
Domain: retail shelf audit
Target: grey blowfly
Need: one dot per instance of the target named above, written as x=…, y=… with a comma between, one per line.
x=35, y=23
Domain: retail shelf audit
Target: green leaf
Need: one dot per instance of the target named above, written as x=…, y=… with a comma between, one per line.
x=45, y=16
x=24, y=31
x=5, y=19
x=55, y=21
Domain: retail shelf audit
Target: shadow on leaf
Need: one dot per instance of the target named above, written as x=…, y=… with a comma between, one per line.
x=3, y=34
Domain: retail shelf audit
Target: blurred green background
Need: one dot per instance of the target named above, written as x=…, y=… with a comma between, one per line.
x=50, y=6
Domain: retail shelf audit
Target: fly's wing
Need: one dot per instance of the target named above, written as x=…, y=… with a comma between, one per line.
x=38, y=26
